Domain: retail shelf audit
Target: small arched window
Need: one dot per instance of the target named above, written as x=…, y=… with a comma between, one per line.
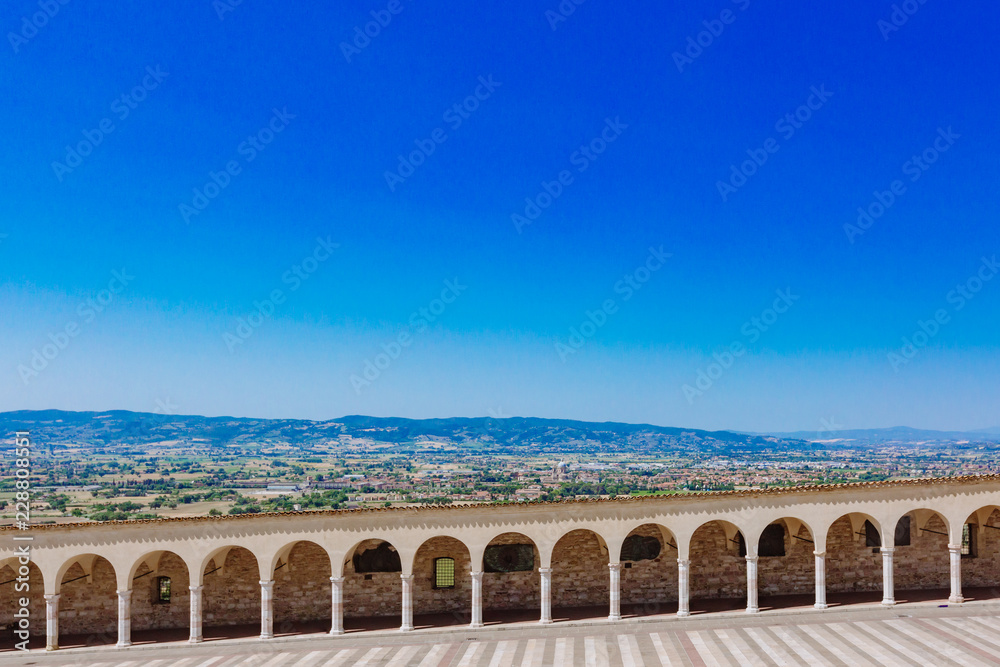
x=444, y=572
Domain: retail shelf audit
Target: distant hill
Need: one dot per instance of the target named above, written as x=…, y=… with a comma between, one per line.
x=484, y=434
x=516, y=435
x=900, y=434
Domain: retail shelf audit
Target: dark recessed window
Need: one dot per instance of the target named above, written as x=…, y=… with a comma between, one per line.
x=902, y=538
x=872, y=538
x=638, y=547
x=382, y=558
x=163, y=590
x=444, y=573
x=772, y=541
x=741, y=545
x=509, y=558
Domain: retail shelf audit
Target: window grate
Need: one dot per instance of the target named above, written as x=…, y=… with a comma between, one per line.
x=444, y=573
x=163, y=589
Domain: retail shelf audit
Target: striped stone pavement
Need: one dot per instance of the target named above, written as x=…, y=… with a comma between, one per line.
x=963, y=641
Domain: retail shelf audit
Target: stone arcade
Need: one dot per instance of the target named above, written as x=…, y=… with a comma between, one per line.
x=651, y=555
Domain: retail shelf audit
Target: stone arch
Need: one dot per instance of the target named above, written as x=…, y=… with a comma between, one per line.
x=793, y=572
x=427, y=597
x=149, y=612
x=518, y=589
x=981, y=567
x=88, y=600
x=231, y=595
x=368, y=594
x=301, y=572
x=10, y=572
x=718, y=562
x=649, y=585
x=923, y=562
x=580, y=575
x=852, y=565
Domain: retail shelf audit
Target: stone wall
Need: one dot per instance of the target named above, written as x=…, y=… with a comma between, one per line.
x=9, y=602
x=512, y=590
x=148, y=613
x=302, y=590
x=717, y=569
x=850, y=565
x=429, y=600
x=232, y=595
x=579, y=571
x=373, y=594
x=89, y=605
x=650, y=583
x=795, y=572
x=925, y=562
x=984, y=569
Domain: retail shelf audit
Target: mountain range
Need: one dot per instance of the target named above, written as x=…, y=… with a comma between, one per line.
x=100, y=430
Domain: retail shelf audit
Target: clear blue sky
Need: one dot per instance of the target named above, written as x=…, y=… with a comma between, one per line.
x=660, y=132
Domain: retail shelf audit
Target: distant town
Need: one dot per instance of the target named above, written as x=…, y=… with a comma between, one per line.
x=111, y=480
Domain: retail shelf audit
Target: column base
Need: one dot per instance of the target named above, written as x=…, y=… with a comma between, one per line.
x=545, y=621
x=753, y=610
x=888, y=603
x=475, y=625
x=266, y=636
x=614, y=617
x=683, y=614
x=123, y=644
x=956, y=600
x=820, y=605
x=196, y=640
x=336, y=633
x=51, y=648
x=405, y=628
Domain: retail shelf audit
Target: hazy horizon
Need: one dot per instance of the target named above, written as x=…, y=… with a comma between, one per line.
x=724, y=216
x=828, y=427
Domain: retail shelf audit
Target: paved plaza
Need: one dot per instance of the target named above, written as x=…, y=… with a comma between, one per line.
x=911, y=634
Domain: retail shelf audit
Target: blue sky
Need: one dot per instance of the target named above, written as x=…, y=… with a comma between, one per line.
x=301, y=120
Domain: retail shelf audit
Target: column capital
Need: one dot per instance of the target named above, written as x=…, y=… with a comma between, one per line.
x=751, y=559
x=337, y=580
x=127, y=593
x=406, y=577
x=955, y=548
x=545, y=570
x=887, y=551
x=821, y=554
x=267, y=583
x=54, y=597
x=683, y=562
x=478, y=576
x=615, y=566
x=196, y=589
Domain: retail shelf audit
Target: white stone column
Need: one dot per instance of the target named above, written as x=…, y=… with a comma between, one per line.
x=51, y=622
x=124, y=619
x=683, y=587
x=615, y=590
x=337, y=626
x=407, y=602
x=195, y=622
x=477, y=600
x=888, y=596
x=546, y=573
x=820, y=579
x=752, y=607
x=267, y=609
x=955, y=553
